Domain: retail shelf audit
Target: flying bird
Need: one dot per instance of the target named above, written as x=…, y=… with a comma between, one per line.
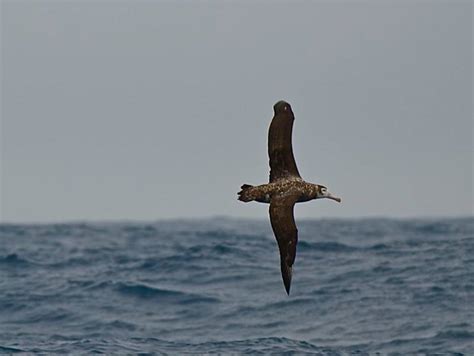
x=285, y=189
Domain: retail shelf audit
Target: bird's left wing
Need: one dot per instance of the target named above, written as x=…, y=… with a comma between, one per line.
x=286, y=233
x=280, y=148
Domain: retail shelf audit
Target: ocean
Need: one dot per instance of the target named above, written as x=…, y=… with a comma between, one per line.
x=360, y=286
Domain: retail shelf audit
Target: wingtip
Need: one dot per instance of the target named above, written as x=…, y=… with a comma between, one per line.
x=287, y=279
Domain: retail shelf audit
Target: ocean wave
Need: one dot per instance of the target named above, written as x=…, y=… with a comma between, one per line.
x=379, y=247
x=14, y=260
x=456, y=334
x=143, y=291
x=7, y=350
x=256, y=346
x=430, y=345
x=46, y=315
x=152, y=345
x=329, y=246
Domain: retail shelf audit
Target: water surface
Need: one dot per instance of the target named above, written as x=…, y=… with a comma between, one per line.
x=205, y=286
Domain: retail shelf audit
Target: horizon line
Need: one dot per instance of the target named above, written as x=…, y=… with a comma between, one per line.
x=226, y=217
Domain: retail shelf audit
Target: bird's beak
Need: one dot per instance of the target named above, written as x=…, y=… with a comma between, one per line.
x=330, y=196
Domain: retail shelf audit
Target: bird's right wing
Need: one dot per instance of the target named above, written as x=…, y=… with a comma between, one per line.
x=280, y=150
x=286, y=233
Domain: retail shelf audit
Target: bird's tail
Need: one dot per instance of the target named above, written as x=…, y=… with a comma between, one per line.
x=244, y=194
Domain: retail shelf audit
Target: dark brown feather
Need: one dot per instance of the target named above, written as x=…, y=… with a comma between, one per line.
x=280, y=150
x=286, y=233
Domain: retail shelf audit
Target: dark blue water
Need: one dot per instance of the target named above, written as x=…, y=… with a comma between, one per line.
x=359, y=286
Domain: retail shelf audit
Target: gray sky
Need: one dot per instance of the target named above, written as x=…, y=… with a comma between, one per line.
x=149, y=110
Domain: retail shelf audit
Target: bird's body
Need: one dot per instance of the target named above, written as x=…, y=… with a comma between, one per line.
x=302, y=191
x=285, y=189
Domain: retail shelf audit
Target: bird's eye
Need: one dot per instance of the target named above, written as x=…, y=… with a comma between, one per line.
x=285, y=108
x=323, y=190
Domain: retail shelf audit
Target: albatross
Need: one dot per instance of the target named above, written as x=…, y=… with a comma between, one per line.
x=285, y=189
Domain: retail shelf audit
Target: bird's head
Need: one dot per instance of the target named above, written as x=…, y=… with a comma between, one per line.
x=322, y=192
x=281, y=106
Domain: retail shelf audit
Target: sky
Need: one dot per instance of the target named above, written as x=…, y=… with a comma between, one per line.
x=146, y=110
